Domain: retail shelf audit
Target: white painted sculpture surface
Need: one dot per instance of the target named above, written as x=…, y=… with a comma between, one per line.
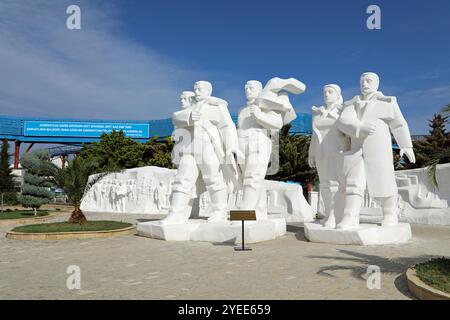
x=210, y=157
x=143, y=190
x=327, y=145
x=419, y=201
x=267, y=110
x=284, y=200
x=368, y=120
x=209, y=137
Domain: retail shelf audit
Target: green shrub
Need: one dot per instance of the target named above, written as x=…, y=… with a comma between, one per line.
x=37, y=179
x=10, y=199
x=435, y=273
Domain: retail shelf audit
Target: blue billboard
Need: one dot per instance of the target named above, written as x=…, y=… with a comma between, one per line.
x=84, y=129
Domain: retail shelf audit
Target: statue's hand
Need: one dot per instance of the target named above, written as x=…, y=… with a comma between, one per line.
x=254, y=109
x=368, y=128
x=409, y=153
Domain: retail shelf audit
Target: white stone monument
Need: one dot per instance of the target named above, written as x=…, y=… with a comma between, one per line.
x=420, y=202
x=210, y=157
x=131, y=191
x=368, y=119
x=266, y=112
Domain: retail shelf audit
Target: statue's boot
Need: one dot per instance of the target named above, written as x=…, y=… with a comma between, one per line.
x=179, y=211
x=350, y=220
x=390, y=216
x=219, y=206
x=330, y=221
x=389, y=220
x=250, y=197
x=176, y=216
x=353, y=205
x=328, y=199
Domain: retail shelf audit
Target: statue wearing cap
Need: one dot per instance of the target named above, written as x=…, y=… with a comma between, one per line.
x=267, y=110
x=325, y=152
x=369, y=119
x=206, y=137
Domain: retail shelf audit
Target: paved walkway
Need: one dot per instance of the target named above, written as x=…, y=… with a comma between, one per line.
x=134, y=267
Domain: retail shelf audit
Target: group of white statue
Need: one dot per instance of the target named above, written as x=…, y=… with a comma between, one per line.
x=351, y=148
x=116, y=195
x=212, y=154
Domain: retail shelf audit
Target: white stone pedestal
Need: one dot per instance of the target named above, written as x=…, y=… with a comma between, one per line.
x=217, y=232
x=365, y=234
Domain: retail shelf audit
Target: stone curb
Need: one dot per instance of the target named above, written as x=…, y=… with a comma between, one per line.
x=71, y=235
x=423, y=291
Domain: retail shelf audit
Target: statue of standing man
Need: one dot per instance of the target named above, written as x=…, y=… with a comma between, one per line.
x=267, y=110
x=209, y=139
x=369, y=119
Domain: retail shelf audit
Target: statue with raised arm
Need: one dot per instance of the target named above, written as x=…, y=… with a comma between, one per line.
x=209, y=138
x=369, y=119
x=267, y=110
x=327, y=143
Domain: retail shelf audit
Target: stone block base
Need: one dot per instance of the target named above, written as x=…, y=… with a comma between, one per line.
x=365, y=234
x=216, y=232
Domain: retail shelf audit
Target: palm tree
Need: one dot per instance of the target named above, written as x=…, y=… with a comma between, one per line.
x=74, y=180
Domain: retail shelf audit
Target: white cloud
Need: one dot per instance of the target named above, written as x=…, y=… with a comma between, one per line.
x=48, y=70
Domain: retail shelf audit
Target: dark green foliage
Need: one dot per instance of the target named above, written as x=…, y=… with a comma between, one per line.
x=115, y=151
x=158, y=153
x=436, y=143
x=434, y=149
x=10, y=198
x=435, y=273
x=293, y=159
x=6, y=177
x=38, y=179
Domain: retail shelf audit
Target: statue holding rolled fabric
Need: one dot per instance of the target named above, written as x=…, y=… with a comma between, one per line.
x=327, y=143
x=267, y=110
x=369, y=119
x=209, y=138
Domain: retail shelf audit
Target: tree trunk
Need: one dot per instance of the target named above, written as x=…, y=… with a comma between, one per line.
x=2, y=202
x=77, y=216
x=35, y=212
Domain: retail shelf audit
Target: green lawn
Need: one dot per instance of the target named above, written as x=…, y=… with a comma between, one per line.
x=70, y=227
x=21, y=214
x=435, y=273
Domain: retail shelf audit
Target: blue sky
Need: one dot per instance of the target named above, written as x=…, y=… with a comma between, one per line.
x=131, y=59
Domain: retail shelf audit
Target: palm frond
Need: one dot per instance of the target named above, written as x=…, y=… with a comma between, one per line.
x=446, y=109
x=431, y=172
x=438, y=157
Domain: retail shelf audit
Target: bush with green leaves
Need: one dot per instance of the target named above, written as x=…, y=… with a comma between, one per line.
x=10, y=198
x=115, y=151
x=37, y=180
